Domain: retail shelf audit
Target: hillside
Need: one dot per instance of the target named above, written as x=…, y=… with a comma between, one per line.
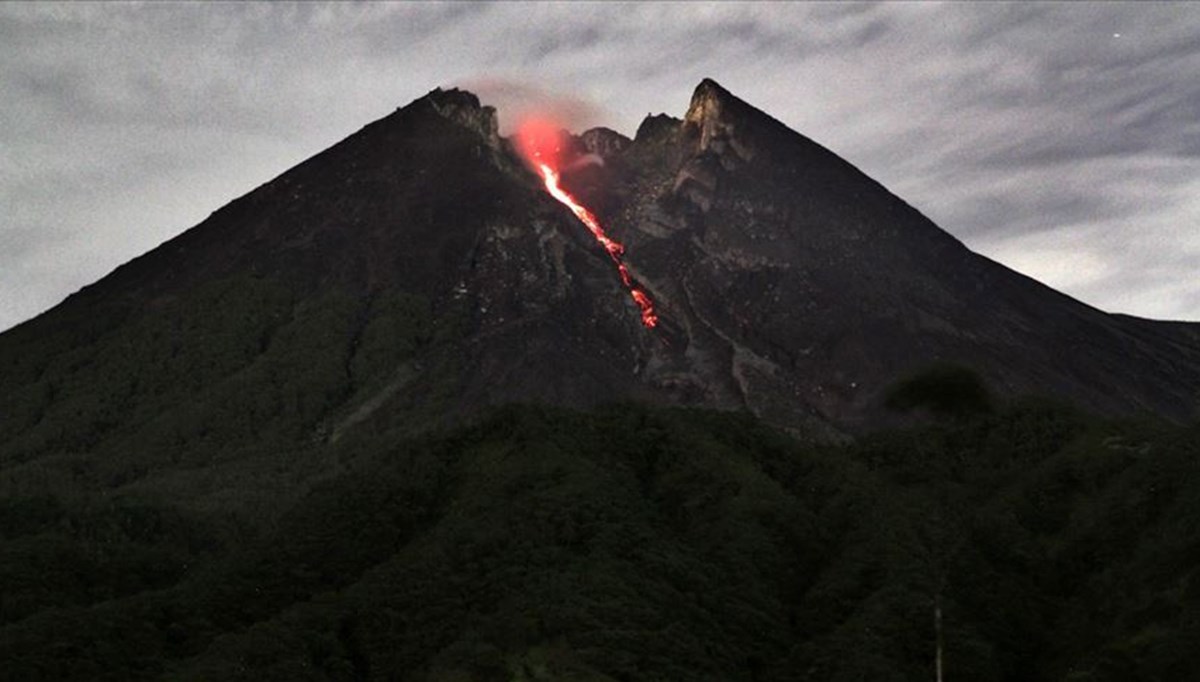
x=631, y=544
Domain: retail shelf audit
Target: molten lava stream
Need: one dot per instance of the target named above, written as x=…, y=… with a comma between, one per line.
x=613, y=247
x=534, y=139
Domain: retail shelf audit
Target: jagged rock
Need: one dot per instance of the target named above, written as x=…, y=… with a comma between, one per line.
x=464, y=108
x=604, y=142
x=656, y=126
x=713, y=119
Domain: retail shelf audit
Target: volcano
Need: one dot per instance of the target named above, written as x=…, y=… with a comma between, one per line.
x=788, y=284
x=417, y=277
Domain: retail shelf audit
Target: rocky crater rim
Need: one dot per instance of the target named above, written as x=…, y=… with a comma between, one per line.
x=709, y=105
x=463, y=107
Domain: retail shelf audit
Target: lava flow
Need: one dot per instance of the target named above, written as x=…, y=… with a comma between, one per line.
x=539, y=142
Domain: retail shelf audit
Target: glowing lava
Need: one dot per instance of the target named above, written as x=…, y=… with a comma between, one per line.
x=539, y=141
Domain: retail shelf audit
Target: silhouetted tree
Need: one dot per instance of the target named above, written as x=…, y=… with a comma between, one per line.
x=945, y=390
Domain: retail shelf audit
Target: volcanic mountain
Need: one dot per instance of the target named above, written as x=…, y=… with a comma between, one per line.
x=282, y=445
x=440, y=277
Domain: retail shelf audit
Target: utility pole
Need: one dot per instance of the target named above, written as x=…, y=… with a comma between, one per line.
x=937, y=629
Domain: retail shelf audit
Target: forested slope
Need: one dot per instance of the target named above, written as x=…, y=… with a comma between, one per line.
x=633, y=543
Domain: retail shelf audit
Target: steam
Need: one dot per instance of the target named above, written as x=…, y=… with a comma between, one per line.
x=516, y=102
x=584, y=160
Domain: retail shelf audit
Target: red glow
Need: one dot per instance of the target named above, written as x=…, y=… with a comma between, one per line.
x=540, y=143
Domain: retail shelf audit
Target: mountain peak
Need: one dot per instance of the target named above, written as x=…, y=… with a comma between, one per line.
x=720, y=121
x=464, y=108
x=708, y=101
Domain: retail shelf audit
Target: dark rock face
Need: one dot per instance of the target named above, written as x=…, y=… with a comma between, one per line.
x=808, y=288
x=788, y=283
x=799, y=288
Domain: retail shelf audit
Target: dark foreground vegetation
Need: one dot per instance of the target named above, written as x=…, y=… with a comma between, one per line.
x=640, y=544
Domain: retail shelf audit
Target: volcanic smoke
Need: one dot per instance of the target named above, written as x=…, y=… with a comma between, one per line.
x=539, y=141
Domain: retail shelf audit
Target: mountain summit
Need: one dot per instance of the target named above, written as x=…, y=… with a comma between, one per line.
x=417, y=272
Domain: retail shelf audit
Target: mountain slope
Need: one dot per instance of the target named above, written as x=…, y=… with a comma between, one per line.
x=825, y=287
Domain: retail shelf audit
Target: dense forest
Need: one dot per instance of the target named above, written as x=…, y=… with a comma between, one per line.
x=633, y=543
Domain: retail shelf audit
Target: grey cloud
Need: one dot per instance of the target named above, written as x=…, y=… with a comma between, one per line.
x=572, y=39
x=23, y=240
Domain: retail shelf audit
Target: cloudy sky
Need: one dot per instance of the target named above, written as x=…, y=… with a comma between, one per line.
x=1060, y=139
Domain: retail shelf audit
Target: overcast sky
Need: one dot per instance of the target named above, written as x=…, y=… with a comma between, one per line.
x=1060, y=139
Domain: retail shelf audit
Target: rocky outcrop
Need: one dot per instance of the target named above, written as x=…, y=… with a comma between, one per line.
x=713, y=121
x=463, y=108
x=604, y=142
